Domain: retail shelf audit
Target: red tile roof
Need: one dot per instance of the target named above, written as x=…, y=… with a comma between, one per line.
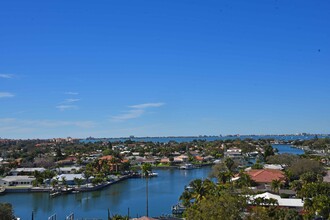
x=199, y=158
x=266, y=175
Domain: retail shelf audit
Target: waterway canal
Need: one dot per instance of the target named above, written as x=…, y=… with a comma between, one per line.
x=164, y=192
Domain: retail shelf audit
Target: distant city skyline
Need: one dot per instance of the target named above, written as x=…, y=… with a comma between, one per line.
x=163, y=68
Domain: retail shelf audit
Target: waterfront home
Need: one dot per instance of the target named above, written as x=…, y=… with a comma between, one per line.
x=150, y=160
x=165, y=160
x=26, y=171
x=135, y=153
x=67, y=170
x=17, y=181
x=234, y=153
x=141, y=160
x=69, y=178
x=273, y=166
x=199, y=158
x=181, y=159
x=292, y=203
x=264, y=177
x=208, y=158
x=115, y=164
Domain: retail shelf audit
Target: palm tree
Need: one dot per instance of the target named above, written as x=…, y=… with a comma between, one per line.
x=223, y=171
x=78, y=181
x=88, y=172
x=114, y=161
x=146, y=169
x=54, y=182
x=276, y=185
x=296, y=185
x=244, y=180
x=198, y=190
x=185, y=198
x=64, y=183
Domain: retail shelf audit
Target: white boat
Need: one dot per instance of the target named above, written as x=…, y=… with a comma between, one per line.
x=153, y=174
x=178, y=209
x=55, y=194
x=187, y=166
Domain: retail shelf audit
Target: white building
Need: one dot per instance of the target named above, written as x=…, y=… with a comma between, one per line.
x=282, y=202
x=17, y=181
x=68, y=170
x=69, y=178
x=26, y=170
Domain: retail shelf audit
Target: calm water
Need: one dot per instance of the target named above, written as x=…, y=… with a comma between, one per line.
x=287, y=149
x=164, y=192
x=210, y=138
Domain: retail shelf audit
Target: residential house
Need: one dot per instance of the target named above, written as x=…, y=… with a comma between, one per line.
x=292, y=203
x=199, y=158
x=165, y=160
x=26, y=171
x=69, y=178
x=273, y=166
x=114, y=165
x=68, y=170
x=17, y=181
x=264, y=177
x=181, y=159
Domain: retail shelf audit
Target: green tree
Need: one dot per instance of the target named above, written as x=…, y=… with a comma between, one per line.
x=244, y=180
x=230, y=164
x=227, y=206
x=64, y=182
x=282, y=159
x=258, y=213
x=6, y=211
x=54, y=182
x=304, y=165
x=269, y=151
x=276, y=185
x=118, y=217
x=197, y=191
x=308, y=177
x=321, y=205
x=88, y=172
x=296, y=185
x=222, y=172
x=78, y=181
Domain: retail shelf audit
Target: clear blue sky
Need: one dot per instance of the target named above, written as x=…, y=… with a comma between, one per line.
x=163, y=67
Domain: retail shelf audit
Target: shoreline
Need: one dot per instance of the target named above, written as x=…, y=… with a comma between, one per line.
x=84, y=189
x=50, y=189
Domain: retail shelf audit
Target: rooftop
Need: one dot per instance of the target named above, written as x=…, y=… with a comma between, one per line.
x=265, y=175
x=284, y=202
x=17, y=178
x=29, y=169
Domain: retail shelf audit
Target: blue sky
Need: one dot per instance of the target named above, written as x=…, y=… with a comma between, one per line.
x=159, y=68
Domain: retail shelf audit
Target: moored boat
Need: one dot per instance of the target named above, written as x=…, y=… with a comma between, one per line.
x=178, y=209
x=186, y=166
